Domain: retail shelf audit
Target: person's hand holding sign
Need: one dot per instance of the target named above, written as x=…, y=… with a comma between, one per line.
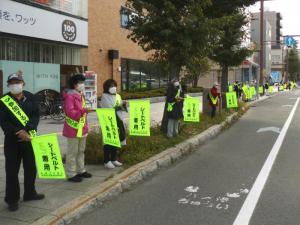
x=23, y=135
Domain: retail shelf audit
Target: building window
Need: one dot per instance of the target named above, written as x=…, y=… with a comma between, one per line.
x=73, y=7
x=142, y=75
x=126, y=16
x=33, y=51
x=125, y=13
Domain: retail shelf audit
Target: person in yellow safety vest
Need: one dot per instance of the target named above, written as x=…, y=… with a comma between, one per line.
x=111, y=99
x=19, y=118
x=75, y=129
x=173, y=111
x=213, y=97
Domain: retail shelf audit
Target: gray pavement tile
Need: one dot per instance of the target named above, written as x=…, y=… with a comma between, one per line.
x=54, y=199
x=100, y=171
x=2, y=185
x=7, y=221
x=3, y=205
x=25, y=214
x=84, y=186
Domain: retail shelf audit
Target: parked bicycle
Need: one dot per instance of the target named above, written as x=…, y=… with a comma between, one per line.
x=50, y=104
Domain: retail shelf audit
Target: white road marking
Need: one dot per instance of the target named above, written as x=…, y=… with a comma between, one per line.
x=246, y=212
x=233, y=195
x=266, y=129
x=287, y=106
x=194, y=198
x=192, y=189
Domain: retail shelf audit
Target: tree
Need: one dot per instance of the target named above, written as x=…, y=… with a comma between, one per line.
x=228, y=50
x=196, y=68
x=293, y=64
x=174, y=30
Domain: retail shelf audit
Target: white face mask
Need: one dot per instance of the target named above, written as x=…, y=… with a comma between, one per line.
x=176, y=84
x=15, y=88
x=113, y=90
x=80, y=87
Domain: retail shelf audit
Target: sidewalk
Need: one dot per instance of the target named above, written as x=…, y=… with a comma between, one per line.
x=59, y=192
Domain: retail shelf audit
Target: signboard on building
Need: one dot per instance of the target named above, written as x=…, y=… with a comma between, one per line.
x=20, y=19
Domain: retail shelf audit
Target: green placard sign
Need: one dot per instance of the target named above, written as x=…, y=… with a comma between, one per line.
x=247, y=93
x=108, y=122
x=271, y=89
x=139, y=112
x=231, y=100
x=47, y=156
x=260, y=90
x=253, y=91
x=191, y=107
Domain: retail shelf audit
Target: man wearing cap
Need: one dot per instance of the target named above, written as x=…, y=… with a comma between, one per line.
x=19, y=118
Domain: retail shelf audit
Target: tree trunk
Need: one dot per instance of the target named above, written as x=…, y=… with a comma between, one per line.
x=195, y=81
x=224, y=84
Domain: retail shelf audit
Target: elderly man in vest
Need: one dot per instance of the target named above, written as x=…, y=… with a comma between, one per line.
x=19, y=118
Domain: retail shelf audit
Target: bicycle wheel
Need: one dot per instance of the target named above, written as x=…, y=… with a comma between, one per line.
x=43, y=109
x=57, y=112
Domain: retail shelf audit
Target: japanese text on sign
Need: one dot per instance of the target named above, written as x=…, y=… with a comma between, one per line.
x=108, y=122
x=231, y=100
x=6, y=15
x=139, y=118
x=48, y=158
x=191, y=109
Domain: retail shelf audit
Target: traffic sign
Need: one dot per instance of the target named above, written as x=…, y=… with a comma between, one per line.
x=290, y=41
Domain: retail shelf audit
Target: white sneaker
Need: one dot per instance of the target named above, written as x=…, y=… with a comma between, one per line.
x=109, y=165
x=116, y=163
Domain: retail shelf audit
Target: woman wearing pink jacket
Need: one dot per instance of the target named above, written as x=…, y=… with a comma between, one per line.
x=75, y=129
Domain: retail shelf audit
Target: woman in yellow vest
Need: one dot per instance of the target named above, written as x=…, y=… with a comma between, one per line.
x=75, y=129
x=111, y=99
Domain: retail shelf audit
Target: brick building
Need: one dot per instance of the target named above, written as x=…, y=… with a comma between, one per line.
x=108, y=37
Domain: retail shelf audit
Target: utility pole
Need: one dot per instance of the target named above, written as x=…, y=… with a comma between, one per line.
x=261, y=58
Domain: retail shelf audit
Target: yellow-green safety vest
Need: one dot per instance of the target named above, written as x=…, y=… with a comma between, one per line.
x=17, y=111
x=246, y=92
x=118, y=101
x=213, y=100
x=171, y=105
x=77, y=125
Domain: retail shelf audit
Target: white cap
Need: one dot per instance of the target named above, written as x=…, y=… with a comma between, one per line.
x=216, y=84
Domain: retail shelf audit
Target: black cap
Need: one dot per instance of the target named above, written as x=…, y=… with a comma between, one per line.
x=15, y=76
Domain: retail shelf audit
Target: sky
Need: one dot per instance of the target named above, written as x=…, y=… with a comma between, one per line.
x=290, y=10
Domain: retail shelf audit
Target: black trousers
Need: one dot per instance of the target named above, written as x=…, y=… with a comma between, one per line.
x=15, y=152
x=213, y=111
x=110, y=153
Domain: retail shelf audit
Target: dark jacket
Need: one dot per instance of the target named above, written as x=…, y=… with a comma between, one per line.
x=10, y=124
x=177, y=112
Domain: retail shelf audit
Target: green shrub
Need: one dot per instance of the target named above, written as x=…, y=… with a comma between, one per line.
x=139, y=149
x=158, y=92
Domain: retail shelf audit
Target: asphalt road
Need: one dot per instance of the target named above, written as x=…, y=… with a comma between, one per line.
x=211, y=186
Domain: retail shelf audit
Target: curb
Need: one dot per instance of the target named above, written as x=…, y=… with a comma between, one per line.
x=135, y=174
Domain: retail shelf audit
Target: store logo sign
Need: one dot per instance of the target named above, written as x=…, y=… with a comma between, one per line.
x=69, y=30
